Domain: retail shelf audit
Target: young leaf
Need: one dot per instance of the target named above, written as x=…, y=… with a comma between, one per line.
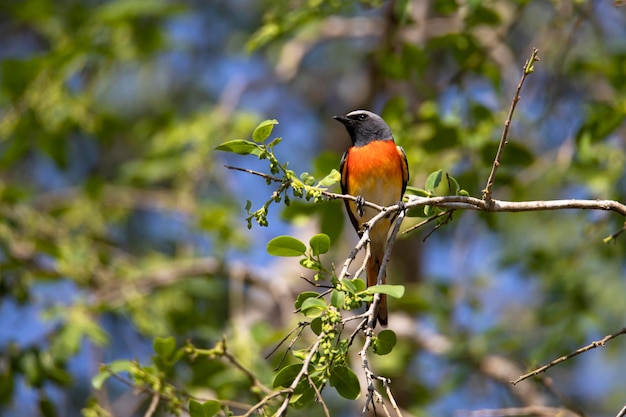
x=359, y=284
x=240, y=146
x=115, y=367
x=285, y=376
x=316, y=325
x=263, y=130
x=454, y=185
x=416, y=191
x=285, y=246
x=330, y=179
x=206, y=409
x=164, y=347
x=337, y=298
x=303, y=296
x=345, y=382
x=384, y=342
x=313, y=307
x=320, y=244
x=433, y=180
x=396, y=291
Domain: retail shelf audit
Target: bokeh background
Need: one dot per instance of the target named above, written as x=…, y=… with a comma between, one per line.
x=119, y=222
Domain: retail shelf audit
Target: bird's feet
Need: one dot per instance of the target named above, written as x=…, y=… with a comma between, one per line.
x=360, y=206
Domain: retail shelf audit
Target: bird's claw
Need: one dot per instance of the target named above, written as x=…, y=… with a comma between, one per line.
x=360, y=206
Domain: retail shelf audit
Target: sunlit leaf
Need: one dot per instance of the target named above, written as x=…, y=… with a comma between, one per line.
x=240, y=146
x=320, y=244
x=285, y=246
x=396, y=291
x=264, y=130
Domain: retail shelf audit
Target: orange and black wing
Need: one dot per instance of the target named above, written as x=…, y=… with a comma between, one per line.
x=343, y=168
x=405, y=170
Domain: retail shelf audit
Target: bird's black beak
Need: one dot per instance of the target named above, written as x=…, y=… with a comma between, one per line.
x=343, y=119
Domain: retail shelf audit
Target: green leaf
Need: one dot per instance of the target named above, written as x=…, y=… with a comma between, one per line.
x=320, y=244
x=359, y=284
x=337, y=298
x=206, y=409
x=454, y=185
x=316, y=325
x=384, y=342
x=349, y=285
x=263, y=130
x=303, y=296
x=355, y=285
x=396, y=291
x=164, y=347
x=285, y=246
x=330, y=179
x=240, y=146
x=345, y=382
x=416, y=191
x=313, y=307
x=115, y=367
x=433, y=180
x=286, y=376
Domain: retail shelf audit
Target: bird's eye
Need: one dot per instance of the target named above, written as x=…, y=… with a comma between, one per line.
x=362, y=116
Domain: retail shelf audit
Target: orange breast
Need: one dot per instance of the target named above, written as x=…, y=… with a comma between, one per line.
x=375, y=172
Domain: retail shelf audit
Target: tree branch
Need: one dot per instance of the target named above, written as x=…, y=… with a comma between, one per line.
x=535, y=410
x=527, y=70
x=577, y=352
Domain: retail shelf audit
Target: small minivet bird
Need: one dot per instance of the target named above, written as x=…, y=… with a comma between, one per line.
x=373, y=169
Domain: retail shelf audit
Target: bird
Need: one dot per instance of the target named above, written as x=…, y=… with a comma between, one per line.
x=373, y=169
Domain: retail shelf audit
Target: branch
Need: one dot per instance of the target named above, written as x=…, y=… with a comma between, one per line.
x=577, y=352
x=535, y=410
x=471, y=203
x=369, y=330
x=527, y=70
x=304, y=371
x=493, y=366
x=253, y=379
x=153, y=404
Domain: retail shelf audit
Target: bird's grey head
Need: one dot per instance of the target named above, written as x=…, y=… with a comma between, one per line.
x=365, y=126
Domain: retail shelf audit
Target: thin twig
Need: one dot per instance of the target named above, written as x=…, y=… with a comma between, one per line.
x=304, y=371
x=534, y=410
x=153, y=404
x=253, y=379
x=264, y=401
x=426, y=221
x=300, y=329
x=577, y=352
x=392, y=399
x=615, y=235
x=448, y=214
x=318, y=394
x=527, y=70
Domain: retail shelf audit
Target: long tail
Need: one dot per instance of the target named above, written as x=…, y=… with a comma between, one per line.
x=373, y=267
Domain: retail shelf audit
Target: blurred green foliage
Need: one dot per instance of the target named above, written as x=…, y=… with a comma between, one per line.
x=110, y=185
